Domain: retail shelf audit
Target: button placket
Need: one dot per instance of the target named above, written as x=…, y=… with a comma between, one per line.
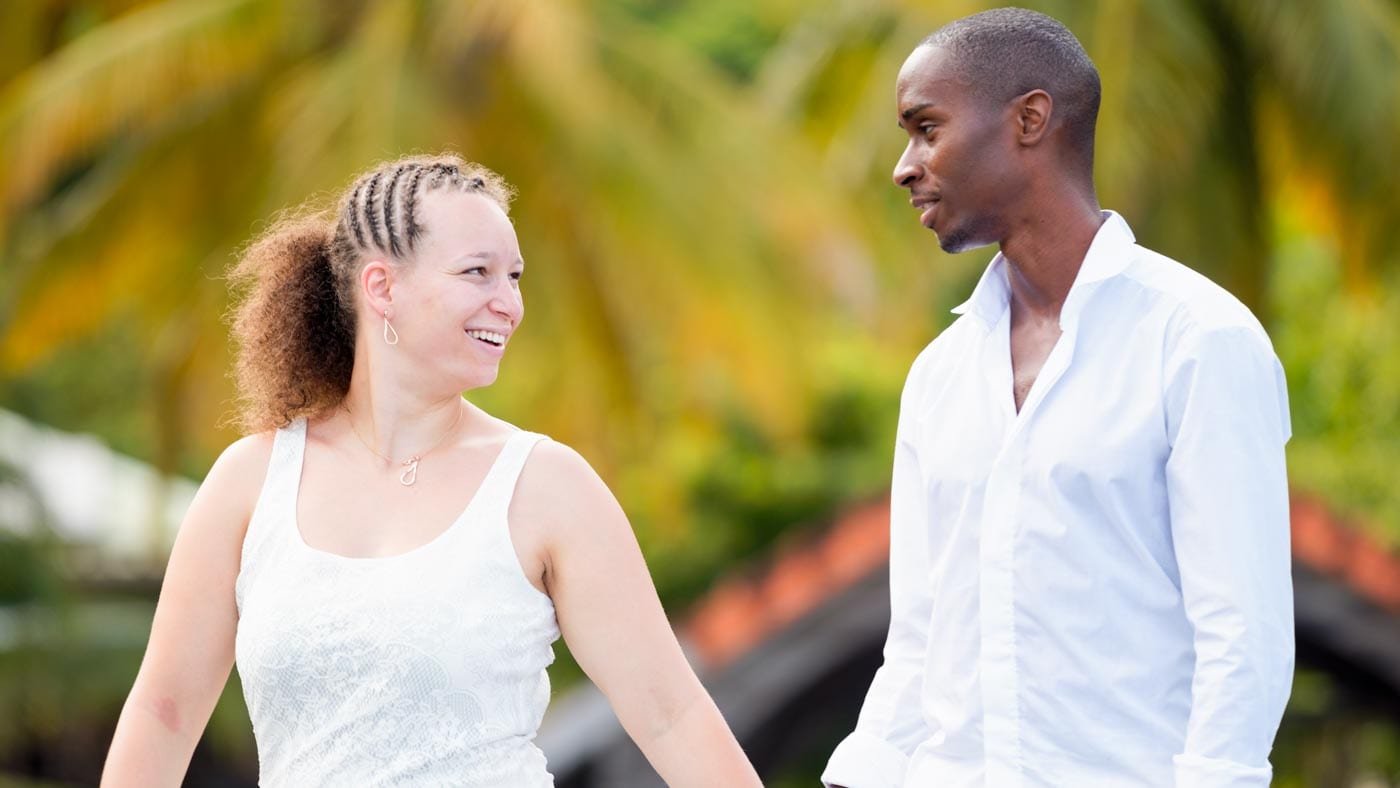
x=1000, y=682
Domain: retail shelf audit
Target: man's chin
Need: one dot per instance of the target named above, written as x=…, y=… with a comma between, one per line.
x=953, y=242
x=957, y=241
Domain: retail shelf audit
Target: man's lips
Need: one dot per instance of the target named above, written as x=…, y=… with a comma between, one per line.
x=926, y=206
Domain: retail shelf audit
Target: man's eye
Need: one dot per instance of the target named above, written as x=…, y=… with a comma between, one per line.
x=928, y=129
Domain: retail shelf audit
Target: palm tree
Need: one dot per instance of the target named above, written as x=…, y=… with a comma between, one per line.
x=677, y=240
x=714, y=246
x=1219, y=117
x=689, y=223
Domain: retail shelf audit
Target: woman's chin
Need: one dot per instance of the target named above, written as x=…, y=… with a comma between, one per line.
x=480, y=377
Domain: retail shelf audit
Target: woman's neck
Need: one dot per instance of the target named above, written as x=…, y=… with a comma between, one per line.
x=397, y=423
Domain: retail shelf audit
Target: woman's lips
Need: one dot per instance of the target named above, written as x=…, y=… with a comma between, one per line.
x=491, y=350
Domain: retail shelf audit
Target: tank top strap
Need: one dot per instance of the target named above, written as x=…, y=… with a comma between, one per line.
x=275, y=510
x=279, y=492
x=498, y=487
x=284, y=468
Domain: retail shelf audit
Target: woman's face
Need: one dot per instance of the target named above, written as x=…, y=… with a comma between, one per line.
x=457, y=305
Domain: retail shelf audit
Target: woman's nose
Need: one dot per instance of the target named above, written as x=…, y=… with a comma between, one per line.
x=506, y=300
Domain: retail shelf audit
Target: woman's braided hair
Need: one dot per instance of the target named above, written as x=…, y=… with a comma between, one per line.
x=294, y=324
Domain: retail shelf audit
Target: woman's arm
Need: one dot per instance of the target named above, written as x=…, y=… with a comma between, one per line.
x=613, y=623
x=190, y=652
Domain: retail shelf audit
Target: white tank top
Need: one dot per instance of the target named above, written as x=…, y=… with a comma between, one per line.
x=425, y=668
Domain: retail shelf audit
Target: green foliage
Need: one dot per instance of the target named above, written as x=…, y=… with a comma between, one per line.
x=747, y=489
x=725, y=290
x=94, y=385
x=1333, y=735
x=1341, y=353
x=734, y=35
x=29, y=553
x=24, y=573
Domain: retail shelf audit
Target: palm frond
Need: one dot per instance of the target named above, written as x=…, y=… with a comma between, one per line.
x=126, y=75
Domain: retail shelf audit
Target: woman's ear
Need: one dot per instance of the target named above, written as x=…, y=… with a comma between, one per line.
x=376, y=285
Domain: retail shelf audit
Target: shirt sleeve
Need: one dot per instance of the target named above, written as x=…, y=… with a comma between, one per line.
x=1227, y=490
x=891, y=723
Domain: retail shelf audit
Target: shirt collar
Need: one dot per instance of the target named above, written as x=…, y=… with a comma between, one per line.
x=1108, y=255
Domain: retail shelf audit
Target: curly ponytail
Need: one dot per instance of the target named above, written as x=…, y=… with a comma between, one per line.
x=295, y=324
x=296, y=345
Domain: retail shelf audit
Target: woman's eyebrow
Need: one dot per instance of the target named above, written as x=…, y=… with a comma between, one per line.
x=472, y=256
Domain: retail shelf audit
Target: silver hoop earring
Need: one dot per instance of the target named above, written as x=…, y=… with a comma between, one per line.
x=391, y=336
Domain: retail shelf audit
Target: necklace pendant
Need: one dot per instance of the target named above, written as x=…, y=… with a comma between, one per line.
x=411, y=475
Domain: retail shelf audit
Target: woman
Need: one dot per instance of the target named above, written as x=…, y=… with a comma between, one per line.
x=390, y=564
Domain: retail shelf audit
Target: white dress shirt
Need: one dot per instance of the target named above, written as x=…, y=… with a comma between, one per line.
x=1094, y=591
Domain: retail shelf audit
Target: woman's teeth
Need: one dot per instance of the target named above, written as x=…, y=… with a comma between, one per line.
x=488, y=336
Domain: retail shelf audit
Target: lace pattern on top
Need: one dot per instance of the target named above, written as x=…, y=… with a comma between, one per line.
x=426, y=668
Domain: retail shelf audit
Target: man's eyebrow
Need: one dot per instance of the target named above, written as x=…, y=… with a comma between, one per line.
x=909, y=113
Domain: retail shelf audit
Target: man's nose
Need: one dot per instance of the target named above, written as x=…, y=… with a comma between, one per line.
x=906, y=171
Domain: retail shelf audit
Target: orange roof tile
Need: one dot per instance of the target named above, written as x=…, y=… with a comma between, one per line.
x=744, y=609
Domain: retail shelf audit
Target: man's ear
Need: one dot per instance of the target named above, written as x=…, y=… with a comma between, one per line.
x=1033, y=116
x=376, y=286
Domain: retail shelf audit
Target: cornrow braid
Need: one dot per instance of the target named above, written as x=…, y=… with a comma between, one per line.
x=353, y=213
x=371, y=217
x=295, y=324
x=437, y=172
x=390, y=204
x=411, y=206
x=382, y=211
x=449, y=175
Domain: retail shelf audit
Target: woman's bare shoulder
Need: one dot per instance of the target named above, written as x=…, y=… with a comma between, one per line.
x=248, y=453
x=559, y=488
x=236, y=478
x=560, y=468
x=211, y=534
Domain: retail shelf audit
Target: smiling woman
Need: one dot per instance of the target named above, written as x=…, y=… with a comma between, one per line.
x=296, y=327
x=387, y=564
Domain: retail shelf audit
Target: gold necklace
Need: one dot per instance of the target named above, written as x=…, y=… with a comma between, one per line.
x=410, y=474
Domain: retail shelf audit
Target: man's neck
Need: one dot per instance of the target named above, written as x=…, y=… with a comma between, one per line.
x=1045, y=249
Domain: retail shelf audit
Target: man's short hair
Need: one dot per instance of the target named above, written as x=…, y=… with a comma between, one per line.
x=1006, y=52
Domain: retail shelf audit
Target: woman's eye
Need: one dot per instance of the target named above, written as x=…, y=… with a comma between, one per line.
x=516, y=275
x=480, y=269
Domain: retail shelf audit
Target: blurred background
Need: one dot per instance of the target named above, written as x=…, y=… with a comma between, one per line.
x=725, y=292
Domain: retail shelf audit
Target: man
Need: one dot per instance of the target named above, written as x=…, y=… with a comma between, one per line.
x=1089, y=521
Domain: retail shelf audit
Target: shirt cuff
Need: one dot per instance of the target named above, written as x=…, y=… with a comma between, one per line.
x=1193, y=771
x=865, y=761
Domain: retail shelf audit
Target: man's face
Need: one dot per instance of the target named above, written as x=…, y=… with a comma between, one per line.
x=959, y=165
